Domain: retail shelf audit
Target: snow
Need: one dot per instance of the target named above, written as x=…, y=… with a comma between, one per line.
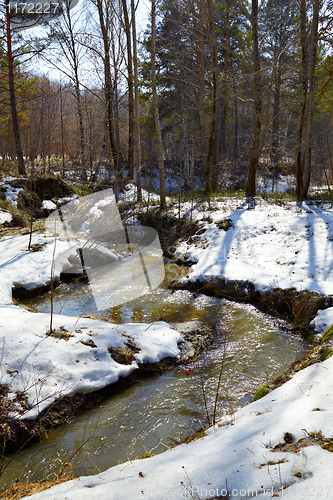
x=130, y=194
x=283, y=184
x=5, y=217
x=48, y=205
x=271, y=246
x=12, y=194
x=237, y=454
x=46, y=367
x=323, y=320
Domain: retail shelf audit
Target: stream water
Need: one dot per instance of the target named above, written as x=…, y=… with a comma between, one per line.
x=160, y=411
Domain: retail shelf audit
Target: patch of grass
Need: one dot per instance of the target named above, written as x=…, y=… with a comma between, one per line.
x=89, y=343
x=60, y=333
x=279, y=198
x=148, y=454
x=327, y=333
x=261, y=392
x=327, y=444
x=21, y=490
x=170, y=229
x=311, y=439
x=225, y=224
x=196, y=435
x=18, y=218
x=270, y=462
x=84, y=190
x=327, y=354
x=122, y=355
x=320, y=196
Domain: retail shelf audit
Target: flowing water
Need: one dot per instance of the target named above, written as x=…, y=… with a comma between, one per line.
x=160, y=411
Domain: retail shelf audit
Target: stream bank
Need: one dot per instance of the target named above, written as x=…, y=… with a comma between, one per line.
x=299, y=308
x=167, y=408
x=283, y=306
x=17, y=434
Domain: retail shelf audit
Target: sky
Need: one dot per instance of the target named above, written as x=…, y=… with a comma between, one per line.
x=41, y=67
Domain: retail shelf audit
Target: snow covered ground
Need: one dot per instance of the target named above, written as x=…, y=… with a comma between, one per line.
x=130, y=194
x=46, y=367
x=271, y=246
x=237, y=455
x=5, y=217
x=284, y=183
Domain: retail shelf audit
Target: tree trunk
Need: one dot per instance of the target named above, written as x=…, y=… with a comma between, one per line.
x=236, y=131
x=12, y=95
x=275, y=149
x=137, y=148
x=214, y=137
x=77, y=91
x=256, y=95
x=201, y=93
x=130, y=156
x=155, y=106
x=309, y=121
x=223, y=126
x=301, y=115
x=109, y=101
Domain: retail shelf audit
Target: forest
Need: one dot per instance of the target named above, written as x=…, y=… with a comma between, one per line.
x=208, y=95
x=166, y=256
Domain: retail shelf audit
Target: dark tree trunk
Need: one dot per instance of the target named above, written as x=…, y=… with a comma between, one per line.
x=236, y=131
x=301, y=115
x=256, y=95
x=130, y=157
x=109, y=92
x=214, y=136
x=12, y=95
x=275, y=150
x=136, y=107
x=155, y=106
x=312, y=69
x=75, y=66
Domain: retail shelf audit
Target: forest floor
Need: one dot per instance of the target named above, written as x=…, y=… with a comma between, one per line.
x=277, y=446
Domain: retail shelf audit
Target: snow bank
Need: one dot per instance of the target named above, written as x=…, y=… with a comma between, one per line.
x=45, y=367
x=12, y=194
x=130, y=194
x=5, y=217
x=237, y=454
x=271, y=246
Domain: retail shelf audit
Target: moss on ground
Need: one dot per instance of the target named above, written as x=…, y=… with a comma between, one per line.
x=261, y=392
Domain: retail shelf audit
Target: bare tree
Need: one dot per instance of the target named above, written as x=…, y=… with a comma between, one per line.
x=256, y=96
x=137, y=148
x=214, y=137
x=12, y=93
x=127, y=27
x=312, y=58
x=309, y=42
x=64, y=32
x=155, y=106
x=106, y=15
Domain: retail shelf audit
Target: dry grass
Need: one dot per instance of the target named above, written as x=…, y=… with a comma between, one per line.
x=22, y=490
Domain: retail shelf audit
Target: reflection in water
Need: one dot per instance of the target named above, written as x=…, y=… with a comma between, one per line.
x=158, y=412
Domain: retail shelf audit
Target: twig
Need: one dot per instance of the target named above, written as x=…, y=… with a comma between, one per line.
x=204, y=395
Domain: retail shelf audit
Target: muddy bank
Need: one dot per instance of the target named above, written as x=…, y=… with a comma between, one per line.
x=17, y=434
x=299, y=308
